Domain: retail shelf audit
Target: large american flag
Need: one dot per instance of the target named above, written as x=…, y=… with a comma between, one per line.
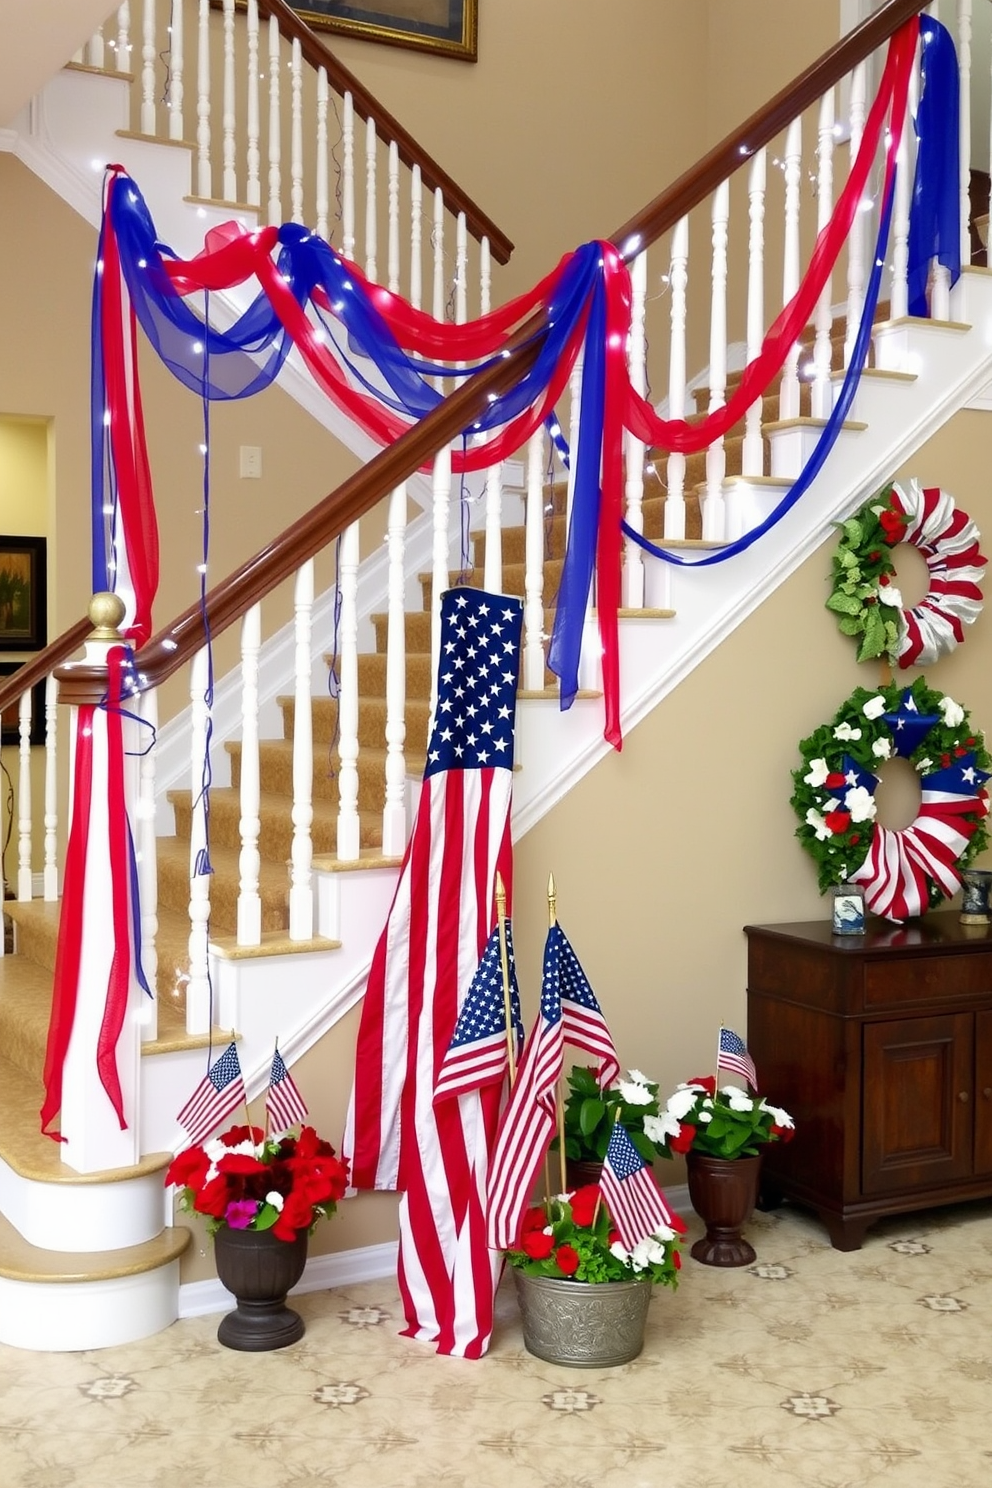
x=478, y=1054
x=427, y=955
x=569, y=1013
x=637, y=1205
x=221, y=1091
x=732, y=1055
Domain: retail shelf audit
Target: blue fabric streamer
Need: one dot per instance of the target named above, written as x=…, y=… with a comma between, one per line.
x=935, y=213
x=100, y=462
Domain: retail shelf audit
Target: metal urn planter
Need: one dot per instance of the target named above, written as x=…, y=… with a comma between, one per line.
x=582, y=1324
x=259, y=1269
x=723, y=1193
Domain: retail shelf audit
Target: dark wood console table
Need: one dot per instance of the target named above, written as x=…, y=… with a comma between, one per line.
x=880, y=1046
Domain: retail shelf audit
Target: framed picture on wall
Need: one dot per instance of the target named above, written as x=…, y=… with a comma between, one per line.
x=23, y=593
x=448, y=27
x=10, y=724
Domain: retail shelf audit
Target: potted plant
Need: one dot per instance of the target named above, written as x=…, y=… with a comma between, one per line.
x=721, y=1134
x=260, y=1198
x=591, y=1114
x=583, y=1295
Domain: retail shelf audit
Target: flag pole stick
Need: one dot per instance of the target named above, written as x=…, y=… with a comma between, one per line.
x=244, y=1088
x=599, y=1195
x=265, y=1137
x=559, y=1104
x=504, y=964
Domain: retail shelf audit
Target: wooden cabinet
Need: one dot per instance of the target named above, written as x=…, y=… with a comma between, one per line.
x=880, y=1045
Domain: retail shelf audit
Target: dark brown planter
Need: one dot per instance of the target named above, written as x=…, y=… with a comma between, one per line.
x=723, y=1193
x=582, y=1170
x=259, y=1269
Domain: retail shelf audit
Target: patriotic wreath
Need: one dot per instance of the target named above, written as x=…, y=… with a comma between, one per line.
x=867, y=603
x=908, y=871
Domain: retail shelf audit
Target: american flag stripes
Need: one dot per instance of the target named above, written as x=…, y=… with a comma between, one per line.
x=582, y=1020
x=218, y=1093
x=427, y=956
x=477, y=1054
x=636, y=1203
x=283, y=1101
x=732, y=1055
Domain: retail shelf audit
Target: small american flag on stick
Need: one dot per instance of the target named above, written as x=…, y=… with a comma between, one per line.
x=732, y=1055
x=218, y=1093
x=283, y=1102
x=637, y=1205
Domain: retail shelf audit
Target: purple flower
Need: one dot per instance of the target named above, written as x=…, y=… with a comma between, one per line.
x=240, y=1213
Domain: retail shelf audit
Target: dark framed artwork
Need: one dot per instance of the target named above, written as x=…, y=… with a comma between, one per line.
x=10, y=725
x=23, y=593
x=448, y=27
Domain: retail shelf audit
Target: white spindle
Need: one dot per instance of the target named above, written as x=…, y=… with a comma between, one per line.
x=147, y=859
x=416, y=237
x=822, y=393
x=24, y=799
x=95, y=51
x=716, y=458
x=249, y=861
x=393, y=249
x=899, y=293
x=275, y=139
x=122, y=51
x=856, y=237
x=322, y=199
x=149, y=54
x=176, y=68
x=51, y=873
x=485, y=275
x=296, y=137
x=441, y=498
x=394, y=810
x=229, y=117
x=253, y=158
x=534, y=566
x=675, y=469
x=437, y=243
x=301, y=876
x=348, y=177
x=461, y=269
x=964, y=122
x=371, y=203
x=204, y=185
x=752, y=453
x=198, y=1010
x=789, y=391
x=349, y=824
x=633, y=561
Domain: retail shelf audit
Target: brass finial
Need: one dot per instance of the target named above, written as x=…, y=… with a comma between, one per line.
x=106, y=611
x=552, y=900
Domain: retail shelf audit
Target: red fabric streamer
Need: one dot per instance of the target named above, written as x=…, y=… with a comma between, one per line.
x=119, y=982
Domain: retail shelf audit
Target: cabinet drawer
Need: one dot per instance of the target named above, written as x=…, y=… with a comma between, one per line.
x=915, y=980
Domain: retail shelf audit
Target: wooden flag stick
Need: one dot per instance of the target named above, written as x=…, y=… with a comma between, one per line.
x=244, y=1088
x=559, y=1104
x=511, y=1058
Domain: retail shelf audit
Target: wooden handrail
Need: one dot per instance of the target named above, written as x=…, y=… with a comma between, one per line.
x=389, y=129
x=38, y=666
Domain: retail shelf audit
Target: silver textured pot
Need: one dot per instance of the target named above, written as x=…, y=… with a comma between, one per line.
x=587, y=1325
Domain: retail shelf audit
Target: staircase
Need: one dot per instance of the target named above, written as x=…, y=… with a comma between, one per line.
x=126, y=1262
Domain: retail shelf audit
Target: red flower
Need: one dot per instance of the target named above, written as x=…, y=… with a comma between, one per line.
x=214, y=1197
x=189, y=1168
x=708, y=1083
x=584, y=1201
x=855, y=838
x=296, y=1214
x=874, y=555
x=838, y=821
x=959, y=752
x=534, y=1219
x=568, y=1259
x=677, y=1259
x=538, y=1245
x=684, y=1140
x=677, y=1223
x=835, y=780
x=969, y=741
x=239, y=1134
x=784, y=1133
x=882, y=579
x=240, y=1162
x=945, y=760
x=892, y=524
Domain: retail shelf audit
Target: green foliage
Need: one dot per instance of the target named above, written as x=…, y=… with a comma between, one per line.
x=726, y=1123
x=861, y=569
x=590, y=1115
x=571, y=1237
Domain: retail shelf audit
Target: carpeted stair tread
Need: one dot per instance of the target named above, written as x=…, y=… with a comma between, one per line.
x=276, y=770
x=21, y=1261
x=173, y=885
x=36, y=929
x=275, y=839
x=25, y=1011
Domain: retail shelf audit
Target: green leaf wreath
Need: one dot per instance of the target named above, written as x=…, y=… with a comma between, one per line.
x=862, y=571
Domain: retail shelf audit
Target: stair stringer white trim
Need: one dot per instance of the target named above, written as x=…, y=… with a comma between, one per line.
x=68, y=1316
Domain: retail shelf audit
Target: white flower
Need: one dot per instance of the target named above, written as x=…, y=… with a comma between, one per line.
x=845, y=731
x=706, y=1117
x=780, y=1117
x=647, y=1252
x=861, y=804
x=621, y=1252
x=818, y=772
x=659, y=1128
x=888, y=594
x=952, y=712
x=638, y=1078
x=882, y=749
x=737, y=1099
x=874, y=707
x=681, y=1102
x=275, y=1199
x=815, y=820
x=633, y=1094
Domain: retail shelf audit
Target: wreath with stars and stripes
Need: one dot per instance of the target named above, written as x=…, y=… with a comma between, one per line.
x=867, y=603
x=903, y=872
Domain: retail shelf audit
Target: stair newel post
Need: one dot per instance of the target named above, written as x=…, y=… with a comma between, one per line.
x=752, y=453
x=534, y=566
x=149, y=53
x=93, y=1138
x=633, y=562
x=275, y=126
x=371, y=204
x=349, y=826
x=249, y=861
x=675, y=467
x=51, y=872
x=253, y=158
x=964, y=126
x=228, y=113
x=147, y=858
x=348, y=176
x=822, y=391
x=203, y=174
x=24, y=826
x=296, y=132
x=394, y=809
x=322, y=201
x=198, y=987
x=714, y=525
x=856, y=237
x=122, y=52
x=789, y=389
x=301, y=857
x=176, y=68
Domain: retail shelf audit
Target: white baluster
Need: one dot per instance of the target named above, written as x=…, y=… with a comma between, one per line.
x=275, y=141
x=229, y=114
x=485, y=275
x=461, y=269
x=752, y=454
x=534, y=566
x=371, y=204
x=716, y=459
x=348, y=177
x=441, y=497
x=147, y=860
x=856, y=237
x=349, y=824
x=95, y=50
x=437, y=242
x=905, y=165
x=198, y=1011
x=24, y=799
x=675, y=469
x=149, y=52
x=394, y=810
x=176, y=68
x=964, y=124
x=253, y=158
x=51, y=875
x=123, y=48
x=416, y=237
x=296, y=137
x=633, y=562
x=393, y=249
x=492, y=577
x=821, y=395
x=322, y=198
x=249, y=860
x=204, y=184
x=301, y=876
x=789, y=390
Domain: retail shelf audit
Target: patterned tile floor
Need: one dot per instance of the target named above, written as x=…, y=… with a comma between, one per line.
x=809, y=1368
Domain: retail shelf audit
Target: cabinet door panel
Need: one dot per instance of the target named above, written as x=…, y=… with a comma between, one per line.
x=918, y=1100
x=983, y=1094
